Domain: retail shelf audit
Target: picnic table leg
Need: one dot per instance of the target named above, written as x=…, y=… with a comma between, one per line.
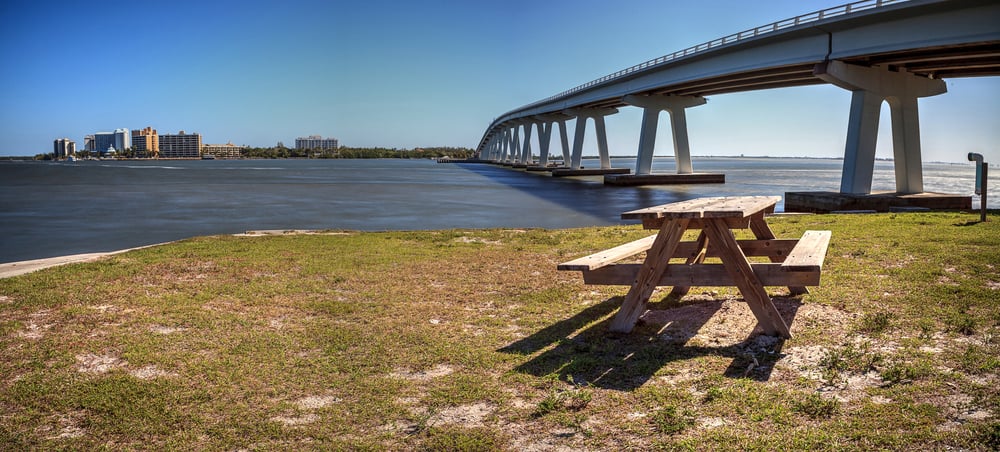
x=653, y=267
x=763, y=232
x=739, y=269
x=697, y=258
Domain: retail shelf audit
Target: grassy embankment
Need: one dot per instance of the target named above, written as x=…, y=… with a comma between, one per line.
x=469, y=339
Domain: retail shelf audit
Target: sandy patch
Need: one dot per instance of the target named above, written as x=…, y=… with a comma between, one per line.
x=68, y=425
x=160, y=329
x=467, y=239
x=98, y=364
x=711, y=422
x=316, y=402
x=6, y=300
x=149, y=372
x=34, y=330
x=465, y=415
x=292, y=421
x=439, y=370
x=729, y=322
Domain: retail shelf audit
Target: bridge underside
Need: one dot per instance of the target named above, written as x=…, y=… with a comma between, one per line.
x=891, y=51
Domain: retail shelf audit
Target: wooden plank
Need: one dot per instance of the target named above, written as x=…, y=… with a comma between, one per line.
x=742, y=206
x=649, y=274
x=609, y=256
x=691, y=208
x=777, y=248
x=715, y=207
x=750, y=286
x=698, y=223
x=809, y=253
x=701, y=275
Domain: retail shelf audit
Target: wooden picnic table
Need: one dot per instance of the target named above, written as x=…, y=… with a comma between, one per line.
x=794, y=263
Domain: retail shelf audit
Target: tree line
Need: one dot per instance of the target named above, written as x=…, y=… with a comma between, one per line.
x=358, y=153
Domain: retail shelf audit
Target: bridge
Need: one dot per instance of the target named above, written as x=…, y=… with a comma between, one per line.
x=893, y=51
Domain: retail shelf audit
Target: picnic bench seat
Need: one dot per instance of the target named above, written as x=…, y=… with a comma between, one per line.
x=795, y=262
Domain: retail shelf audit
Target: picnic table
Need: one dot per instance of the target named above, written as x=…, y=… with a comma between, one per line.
x=795, y=263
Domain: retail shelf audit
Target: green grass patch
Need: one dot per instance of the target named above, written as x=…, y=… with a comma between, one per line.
x=471, y=340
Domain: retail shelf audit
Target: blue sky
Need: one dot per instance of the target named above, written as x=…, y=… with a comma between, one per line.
x=409, y=73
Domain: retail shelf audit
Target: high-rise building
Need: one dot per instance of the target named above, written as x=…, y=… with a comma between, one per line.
x=316, y=142
x=123, y=139
x=104, y=143
x=180, y=145
x=146, y=142
x=88, y=143
x=64, y=147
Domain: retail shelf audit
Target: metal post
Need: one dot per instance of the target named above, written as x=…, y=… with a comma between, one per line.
x=982, y=170
x=982, y=197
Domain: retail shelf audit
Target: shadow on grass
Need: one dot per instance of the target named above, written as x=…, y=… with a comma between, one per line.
x=592, y=355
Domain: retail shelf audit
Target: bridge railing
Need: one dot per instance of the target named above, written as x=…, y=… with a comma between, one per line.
x=815, y=16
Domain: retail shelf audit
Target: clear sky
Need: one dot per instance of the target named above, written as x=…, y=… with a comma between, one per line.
x=407, y=74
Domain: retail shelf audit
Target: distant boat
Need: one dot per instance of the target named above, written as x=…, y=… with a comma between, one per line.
x=207, y=157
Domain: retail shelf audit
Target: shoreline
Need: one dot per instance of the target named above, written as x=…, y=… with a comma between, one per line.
x=11, y=269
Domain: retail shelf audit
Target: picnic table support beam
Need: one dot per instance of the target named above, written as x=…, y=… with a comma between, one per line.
x=762, y=231
x=649, y=275
x=739, y=269
x=701, y=250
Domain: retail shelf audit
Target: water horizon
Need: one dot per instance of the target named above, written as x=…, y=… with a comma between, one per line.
x=50, y=209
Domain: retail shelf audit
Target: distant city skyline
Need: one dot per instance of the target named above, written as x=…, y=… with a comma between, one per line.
x=412, y=74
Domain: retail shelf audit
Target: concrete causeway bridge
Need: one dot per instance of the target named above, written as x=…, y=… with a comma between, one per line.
x=893, y=51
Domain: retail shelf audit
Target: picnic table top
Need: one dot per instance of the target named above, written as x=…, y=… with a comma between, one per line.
x=714, y=207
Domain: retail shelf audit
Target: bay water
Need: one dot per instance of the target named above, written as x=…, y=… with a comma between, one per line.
x=58, y=208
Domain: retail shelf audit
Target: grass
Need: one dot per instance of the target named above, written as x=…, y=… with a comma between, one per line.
x=470, y=340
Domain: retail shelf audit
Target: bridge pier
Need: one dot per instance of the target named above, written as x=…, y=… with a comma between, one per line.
x=675, y=106
x=582, y=115
x=870, y=87
x=545, y=136
x=515, y=143
x=651, y=108
x=526, y=149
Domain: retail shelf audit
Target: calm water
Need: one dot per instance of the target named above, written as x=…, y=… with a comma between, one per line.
x=52, y=209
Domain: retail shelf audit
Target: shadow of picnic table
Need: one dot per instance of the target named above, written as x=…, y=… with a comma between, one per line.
x=596, y=357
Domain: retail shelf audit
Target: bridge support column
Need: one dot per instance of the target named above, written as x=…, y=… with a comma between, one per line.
x=545, y=136
x=495, y=150
x=871, y=86
x=582, y=115
x=504, y=143
x=651, y=108
x=508, y=144
x=564, y=141
x=515, y=144
x=526, y=149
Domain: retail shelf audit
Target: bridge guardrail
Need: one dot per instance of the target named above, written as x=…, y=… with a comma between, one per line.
x=836, y=11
